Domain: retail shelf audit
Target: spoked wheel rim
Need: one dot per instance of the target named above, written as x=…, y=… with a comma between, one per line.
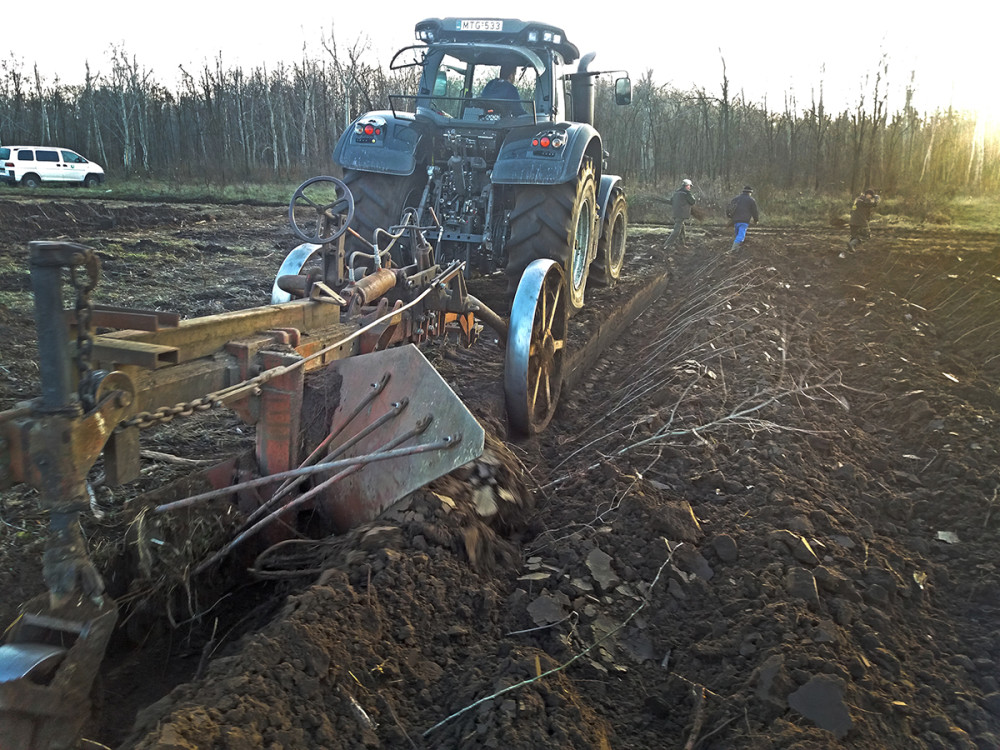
x=536, y=345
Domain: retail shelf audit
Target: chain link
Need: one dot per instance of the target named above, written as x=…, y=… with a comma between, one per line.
x=84, y=330
x=165, y=414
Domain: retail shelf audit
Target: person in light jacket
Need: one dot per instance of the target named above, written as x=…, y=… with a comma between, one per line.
x=681, y=202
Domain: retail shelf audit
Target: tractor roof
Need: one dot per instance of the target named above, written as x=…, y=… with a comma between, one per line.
x=501, y=31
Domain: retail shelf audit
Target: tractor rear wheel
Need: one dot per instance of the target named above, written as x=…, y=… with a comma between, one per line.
x=610, y=258
x=555, y=222
x=379, y=200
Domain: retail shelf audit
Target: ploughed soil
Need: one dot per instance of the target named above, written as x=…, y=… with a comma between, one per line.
x=768, y=517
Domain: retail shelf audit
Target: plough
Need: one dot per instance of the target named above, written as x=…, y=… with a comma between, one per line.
x=348, y=321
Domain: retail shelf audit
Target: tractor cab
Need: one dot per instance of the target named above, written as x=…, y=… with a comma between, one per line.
x=468, y=86
x=462, y=62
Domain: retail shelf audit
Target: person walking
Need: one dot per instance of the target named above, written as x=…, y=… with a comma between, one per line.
x=741, y=211
x=681, y=202
x=861, y=214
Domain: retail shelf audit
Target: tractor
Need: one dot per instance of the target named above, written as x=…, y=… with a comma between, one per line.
x=494, y=182
x=443, y=185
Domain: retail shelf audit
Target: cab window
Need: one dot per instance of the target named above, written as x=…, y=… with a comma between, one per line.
x=73, y=158
x=523, y=80
x=449, y=85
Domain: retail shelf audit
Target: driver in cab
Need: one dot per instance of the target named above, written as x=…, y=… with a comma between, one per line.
x=503, y=88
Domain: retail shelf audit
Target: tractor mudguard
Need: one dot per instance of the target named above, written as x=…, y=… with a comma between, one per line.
x=610, y=184
x=379, y=142
x=522, y=163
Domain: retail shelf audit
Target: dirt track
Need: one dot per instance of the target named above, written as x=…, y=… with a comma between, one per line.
x=768, y=519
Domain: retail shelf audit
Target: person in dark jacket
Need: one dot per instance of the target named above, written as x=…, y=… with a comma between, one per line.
x=861, y=214
x=503, y=88
x=681, y=202
x=741, y=211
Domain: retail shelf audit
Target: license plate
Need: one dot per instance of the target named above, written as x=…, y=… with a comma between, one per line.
x=481, y=24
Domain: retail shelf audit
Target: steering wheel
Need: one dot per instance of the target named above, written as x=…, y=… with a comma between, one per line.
x=328, y=199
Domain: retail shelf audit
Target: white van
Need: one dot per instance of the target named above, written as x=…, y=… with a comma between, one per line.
x=32, y=165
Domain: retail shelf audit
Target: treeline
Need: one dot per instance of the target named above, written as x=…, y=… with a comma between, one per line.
x=802, y=145
x=222, y=123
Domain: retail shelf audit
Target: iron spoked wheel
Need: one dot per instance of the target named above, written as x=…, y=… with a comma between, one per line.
x=556, y=222
x=536, y=345
x=610, y=258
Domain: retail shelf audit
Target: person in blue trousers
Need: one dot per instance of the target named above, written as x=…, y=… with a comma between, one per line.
x=741, y=211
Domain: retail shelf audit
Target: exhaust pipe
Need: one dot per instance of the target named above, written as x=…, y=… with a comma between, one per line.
x=582, y=90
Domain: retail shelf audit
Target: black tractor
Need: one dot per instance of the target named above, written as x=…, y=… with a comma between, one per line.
x=495, y=156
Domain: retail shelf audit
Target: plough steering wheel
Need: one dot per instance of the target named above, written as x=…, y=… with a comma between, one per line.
x=330, y=198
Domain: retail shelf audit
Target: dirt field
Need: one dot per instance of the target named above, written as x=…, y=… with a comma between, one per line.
x=767, y=519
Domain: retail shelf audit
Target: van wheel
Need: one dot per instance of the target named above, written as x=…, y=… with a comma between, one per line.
x=91, y=181
x=31, y=181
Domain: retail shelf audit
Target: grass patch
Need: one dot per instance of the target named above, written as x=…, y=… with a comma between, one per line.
x=167, y=191
x=265, y=194
x=650, y=205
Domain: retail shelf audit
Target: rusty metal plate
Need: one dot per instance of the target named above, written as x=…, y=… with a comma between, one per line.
x=418, y=392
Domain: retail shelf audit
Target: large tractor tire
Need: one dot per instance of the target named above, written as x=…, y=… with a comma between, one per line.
x=555, y=222
x=379, y=200
x=607, y=266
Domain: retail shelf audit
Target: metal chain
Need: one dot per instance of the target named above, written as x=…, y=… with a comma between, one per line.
x=165, y=414
x=84, y=331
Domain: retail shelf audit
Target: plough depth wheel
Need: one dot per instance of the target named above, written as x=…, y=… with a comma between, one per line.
x=536, y=346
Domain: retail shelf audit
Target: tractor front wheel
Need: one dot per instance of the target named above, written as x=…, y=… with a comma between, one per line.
x=610, y=258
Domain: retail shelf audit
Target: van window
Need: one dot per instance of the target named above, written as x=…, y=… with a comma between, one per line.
x=4, y=153
x=25, y=155
x=46, y=156
x=73, y=158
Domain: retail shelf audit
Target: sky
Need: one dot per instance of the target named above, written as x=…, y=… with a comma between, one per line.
x=770, y=48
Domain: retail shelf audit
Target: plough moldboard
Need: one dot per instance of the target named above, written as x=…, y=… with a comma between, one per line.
x=348, y=416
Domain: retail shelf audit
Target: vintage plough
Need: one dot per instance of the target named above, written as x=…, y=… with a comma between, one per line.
x=106, y=373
